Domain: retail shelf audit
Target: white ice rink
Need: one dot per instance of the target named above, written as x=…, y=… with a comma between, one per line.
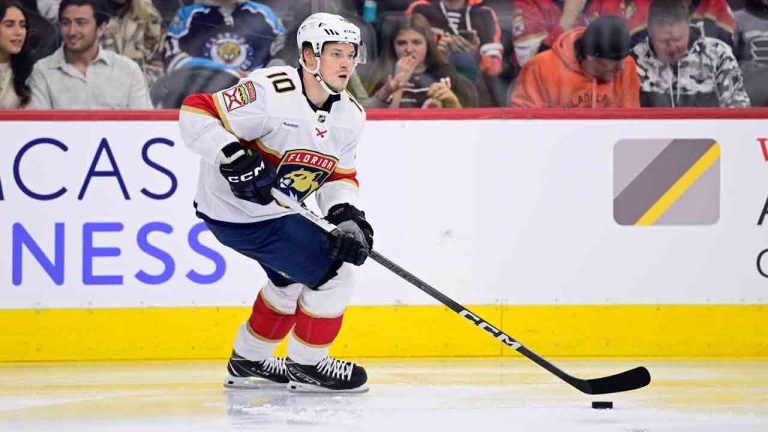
x=419, y=395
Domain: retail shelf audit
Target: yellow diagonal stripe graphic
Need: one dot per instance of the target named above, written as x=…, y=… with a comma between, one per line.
x=681, y=185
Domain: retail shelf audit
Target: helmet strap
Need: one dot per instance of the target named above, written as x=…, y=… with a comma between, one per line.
x=316, y=73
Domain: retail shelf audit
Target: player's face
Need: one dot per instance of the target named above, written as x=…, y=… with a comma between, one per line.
x=410, y=43
x=669, y=41
x=13, y=31
x=78, y=28
x=601, y=69
x=337, y=62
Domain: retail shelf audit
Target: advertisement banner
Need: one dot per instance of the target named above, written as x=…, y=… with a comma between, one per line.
x=98, y=214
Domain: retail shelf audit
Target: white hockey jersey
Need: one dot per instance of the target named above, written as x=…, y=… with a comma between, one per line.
x=312, y=148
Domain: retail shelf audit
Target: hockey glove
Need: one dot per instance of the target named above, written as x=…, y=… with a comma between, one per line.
x=249, y=176
x=353, y=238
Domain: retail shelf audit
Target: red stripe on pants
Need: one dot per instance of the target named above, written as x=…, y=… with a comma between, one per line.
x=268, y=323
x=315, y=330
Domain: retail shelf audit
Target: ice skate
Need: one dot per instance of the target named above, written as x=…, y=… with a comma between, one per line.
x=328, y=376
x=244, y=373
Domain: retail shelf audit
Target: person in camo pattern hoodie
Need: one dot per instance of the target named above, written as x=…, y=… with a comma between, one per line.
x=679, y=67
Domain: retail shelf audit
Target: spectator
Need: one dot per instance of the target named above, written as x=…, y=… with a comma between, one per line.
x=680, y=67
x=536, y=24
x=15, y=65
x=135, y=31
x=392, y=5
x=80, y=74
x=586, y=67
x=233, y=34
x=751, y=45
x=470, y=35
x=49, y=9
x=411, y=73
x=42, y=36
x=713, y=17
x=751, y=40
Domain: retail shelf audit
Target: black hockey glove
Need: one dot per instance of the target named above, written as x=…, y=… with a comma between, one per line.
x=249, y=176
x=353, y=238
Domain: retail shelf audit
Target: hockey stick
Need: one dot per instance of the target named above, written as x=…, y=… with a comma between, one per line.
x=625, y=381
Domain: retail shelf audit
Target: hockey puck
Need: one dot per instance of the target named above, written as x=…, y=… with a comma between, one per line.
x=602, y=405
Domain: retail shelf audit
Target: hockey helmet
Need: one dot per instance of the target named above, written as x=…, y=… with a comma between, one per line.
x=320, y=28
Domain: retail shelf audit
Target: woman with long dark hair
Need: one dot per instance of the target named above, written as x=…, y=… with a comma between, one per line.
x=15, y=65
x=412, y=73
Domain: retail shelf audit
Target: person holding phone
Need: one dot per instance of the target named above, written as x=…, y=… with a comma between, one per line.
x=413, y=73
x=468, y=33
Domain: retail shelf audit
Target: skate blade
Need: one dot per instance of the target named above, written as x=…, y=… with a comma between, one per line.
x=298, y=387
x=250, y=383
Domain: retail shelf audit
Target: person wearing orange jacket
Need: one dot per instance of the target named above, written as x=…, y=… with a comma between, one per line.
x=536, y=24
x=587, y=67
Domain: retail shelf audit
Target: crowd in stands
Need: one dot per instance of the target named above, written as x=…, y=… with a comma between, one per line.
x=140, y=54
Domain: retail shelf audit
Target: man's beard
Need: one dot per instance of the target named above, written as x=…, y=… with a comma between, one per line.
x=83, y=48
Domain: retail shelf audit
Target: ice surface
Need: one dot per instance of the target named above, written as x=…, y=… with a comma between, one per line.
x=423, y=395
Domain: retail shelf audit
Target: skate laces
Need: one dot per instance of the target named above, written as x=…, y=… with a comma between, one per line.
x=329, y=366
x=274, y=365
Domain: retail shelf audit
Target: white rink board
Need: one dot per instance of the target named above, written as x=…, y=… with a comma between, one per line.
x=487, y=211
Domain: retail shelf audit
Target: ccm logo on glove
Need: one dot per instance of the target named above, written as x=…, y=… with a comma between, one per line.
x=247, y=176
x=250, y=178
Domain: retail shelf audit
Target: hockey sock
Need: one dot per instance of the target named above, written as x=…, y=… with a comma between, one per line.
x=257, y=338
x=312, y=336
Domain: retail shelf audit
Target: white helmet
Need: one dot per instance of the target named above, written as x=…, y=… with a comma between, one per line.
x=320, y=28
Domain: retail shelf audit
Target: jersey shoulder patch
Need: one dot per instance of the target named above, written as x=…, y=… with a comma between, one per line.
x=239, y=96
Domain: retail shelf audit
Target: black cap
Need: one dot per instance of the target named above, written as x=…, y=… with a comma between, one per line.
x=606, y=37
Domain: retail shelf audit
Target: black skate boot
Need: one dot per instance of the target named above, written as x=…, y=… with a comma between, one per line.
x=328, y=376
x=244, y=373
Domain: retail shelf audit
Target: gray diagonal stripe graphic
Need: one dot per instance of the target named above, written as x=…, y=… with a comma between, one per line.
x=657, y=178
x=631, y=157
x=699, y=205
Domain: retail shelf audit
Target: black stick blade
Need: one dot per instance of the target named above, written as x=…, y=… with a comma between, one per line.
x=632, y=379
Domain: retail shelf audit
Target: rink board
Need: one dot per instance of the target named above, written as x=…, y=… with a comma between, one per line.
x=102, y=257
x=395, y=331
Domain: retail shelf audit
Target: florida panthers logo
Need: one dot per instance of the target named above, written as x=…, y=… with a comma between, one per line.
x=302, y=172
x=230, y=49
x=301, y=180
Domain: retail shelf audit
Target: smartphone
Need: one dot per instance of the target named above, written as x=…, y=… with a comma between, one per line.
x=469, y=35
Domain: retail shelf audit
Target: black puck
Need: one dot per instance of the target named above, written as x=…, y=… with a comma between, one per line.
x=602, y=405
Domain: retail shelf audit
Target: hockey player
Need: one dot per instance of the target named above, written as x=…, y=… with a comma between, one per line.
x=296, y=130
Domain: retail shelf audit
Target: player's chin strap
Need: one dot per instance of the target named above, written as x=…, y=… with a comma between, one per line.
x=316, y=73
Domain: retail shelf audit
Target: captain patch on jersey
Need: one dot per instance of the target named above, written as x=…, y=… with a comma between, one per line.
x=301, y=172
